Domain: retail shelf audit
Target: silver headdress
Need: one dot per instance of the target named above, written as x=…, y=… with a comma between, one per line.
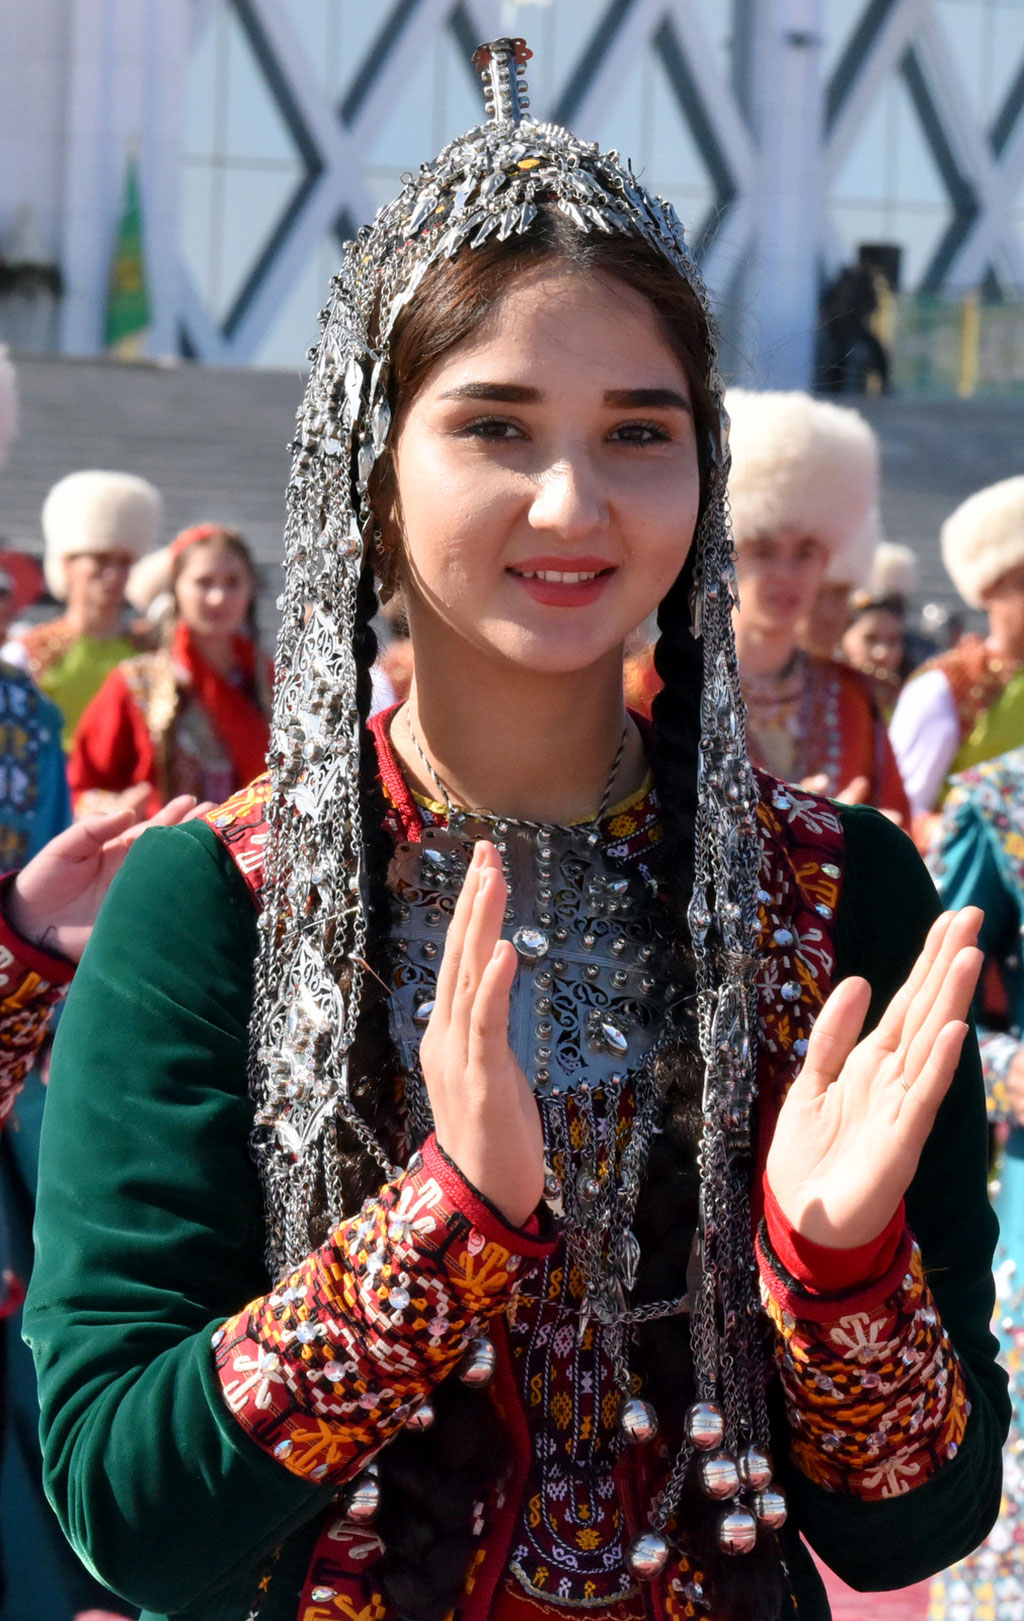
x=491, y=182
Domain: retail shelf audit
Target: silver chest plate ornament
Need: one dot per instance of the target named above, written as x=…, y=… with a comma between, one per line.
x=590, y=1000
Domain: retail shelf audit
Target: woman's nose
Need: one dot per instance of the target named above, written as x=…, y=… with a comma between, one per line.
x=569, y=498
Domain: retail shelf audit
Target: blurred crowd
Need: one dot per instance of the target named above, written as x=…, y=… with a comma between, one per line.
x=133, y=687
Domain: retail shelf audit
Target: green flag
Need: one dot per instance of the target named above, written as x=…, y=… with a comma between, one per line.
x=128, y=312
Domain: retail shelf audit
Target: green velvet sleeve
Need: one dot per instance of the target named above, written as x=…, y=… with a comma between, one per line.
x=148, y=1233
x=888, y=903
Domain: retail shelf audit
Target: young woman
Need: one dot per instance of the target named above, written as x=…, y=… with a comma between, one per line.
x=803, y=494
x=191, y=718
x=522, y=967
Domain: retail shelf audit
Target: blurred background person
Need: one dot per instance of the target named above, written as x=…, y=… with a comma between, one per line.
x=967, y=705
x=875, y=641
x=191, y=717
x=847, y=570
x=95, y=526
x=978, y=860
x=33, y=789
x=803, y=489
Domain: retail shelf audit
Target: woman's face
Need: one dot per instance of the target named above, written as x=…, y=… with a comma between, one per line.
x=874, y=642
x=547, y=478
x=213, y=590
x=779, y=576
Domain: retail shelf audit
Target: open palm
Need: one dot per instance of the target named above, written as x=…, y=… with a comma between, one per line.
x=851, y=1130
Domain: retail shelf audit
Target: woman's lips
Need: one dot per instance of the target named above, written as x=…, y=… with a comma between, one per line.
x=563, y=582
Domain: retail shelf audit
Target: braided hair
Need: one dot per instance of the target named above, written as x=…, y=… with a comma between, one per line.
x=432, y=1482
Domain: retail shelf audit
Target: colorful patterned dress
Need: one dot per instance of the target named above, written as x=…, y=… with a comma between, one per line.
x=979, y=861
x=201, y=1430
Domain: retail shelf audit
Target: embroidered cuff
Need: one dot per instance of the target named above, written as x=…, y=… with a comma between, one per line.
x=998, y=1051
x=819, y=1270
x=31, y=982
x=874, y=1391
x=326, y=1368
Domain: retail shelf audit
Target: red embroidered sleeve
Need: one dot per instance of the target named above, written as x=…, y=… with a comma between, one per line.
x=31, y=982
x=874, y=1391
x=322, y=1371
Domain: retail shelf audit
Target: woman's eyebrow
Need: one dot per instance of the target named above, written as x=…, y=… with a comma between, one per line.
x=508, y=393
x=653, y=398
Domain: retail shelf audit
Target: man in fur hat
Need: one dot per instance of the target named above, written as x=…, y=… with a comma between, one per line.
x=967, y=705
x=804, y=494
x=96, y=525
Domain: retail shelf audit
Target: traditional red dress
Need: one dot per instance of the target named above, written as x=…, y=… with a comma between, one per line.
x=172, y=720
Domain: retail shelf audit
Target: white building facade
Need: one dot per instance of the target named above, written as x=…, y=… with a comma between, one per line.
x=788, y=133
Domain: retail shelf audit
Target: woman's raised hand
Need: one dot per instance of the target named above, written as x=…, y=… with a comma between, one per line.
x=485, y=1116
x=850, y=1133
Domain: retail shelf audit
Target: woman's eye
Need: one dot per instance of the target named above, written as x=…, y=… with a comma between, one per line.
x=491, y=428
x=642, y=433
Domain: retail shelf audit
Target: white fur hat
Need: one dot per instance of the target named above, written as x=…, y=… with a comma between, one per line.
x=808, y=466
x=984, y=538
x=8, y=402
x=894, y=571
x=98, y=512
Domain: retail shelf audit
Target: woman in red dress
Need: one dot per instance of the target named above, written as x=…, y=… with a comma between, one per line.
x=192, y=717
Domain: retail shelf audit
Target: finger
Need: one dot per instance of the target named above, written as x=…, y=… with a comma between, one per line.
x=835, y=1034
x=488, y=1033
x=961, y=934
x=135, y=797
x=952, y=1005
x=448, y=973
x=181, y=809
x=816, y=784
x=920, y=1102
x=890, y=1025
x=83, y=839
x=482, y=935
x=856, y=792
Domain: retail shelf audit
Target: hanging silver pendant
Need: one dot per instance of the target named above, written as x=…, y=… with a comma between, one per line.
x=422, y=1418
x=755, y=1466
x=718, y=1475
x=770, y=1508
x=638, y=1420
x=478, y=1363
x=363, y=1500
x=647, y=1554
x=705, y=1426
x=737, y=1530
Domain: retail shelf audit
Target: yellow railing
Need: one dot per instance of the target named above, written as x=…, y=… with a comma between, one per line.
x=964, y=344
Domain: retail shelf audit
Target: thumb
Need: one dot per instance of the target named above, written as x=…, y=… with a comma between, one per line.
x=835, y=1034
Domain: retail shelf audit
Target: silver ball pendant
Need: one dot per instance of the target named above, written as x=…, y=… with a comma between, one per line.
x=638, y=1420
x=705, y=1426
x=422, y=1418
x=755, y=1466
x=363, y=1500
x=770, y=1509
x=737, y=1530
x=478, y=1363
x=718, y=1474
x=646, y=1555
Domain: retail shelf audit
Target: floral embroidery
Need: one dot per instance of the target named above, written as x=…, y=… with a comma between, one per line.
x=329, y=1365
x=874, y=1391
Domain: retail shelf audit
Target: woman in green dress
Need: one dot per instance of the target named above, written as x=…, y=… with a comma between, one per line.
x=463, y=1190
